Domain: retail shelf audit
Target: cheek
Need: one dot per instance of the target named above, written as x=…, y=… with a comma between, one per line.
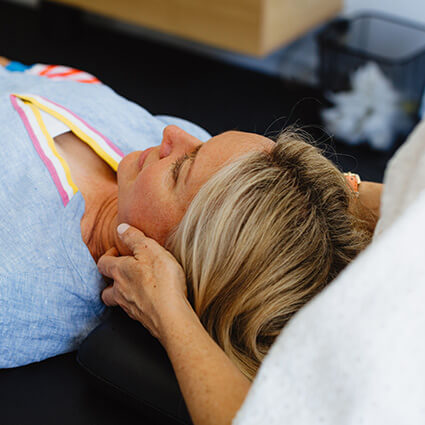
x=144, y=197
x=148, y=206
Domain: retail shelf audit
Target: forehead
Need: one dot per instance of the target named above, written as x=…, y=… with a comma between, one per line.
x=222, y=149
x=242, y=137
x=231, y=144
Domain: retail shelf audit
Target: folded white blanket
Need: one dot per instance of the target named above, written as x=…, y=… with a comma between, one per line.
x=356, y=353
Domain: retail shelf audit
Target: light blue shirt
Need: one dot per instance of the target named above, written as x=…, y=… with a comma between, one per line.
x=49, y=283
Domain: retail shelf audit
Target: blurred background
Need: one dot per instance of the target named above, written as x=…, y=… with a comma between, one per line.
x=350, y=72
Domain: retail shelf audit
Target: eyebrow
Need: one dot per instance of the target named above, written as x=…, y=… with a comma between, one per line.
x=193, y=155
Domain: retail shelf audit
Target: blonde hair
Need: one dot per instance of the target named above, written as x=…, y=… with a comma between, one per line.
x=265, y=234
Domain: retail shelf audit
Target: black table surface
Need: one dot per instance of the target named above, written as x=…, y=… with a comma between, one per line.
x=58, y=391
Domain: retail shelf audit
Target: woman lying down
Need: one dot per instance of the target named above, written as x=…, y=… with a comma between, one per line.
x=258, y=226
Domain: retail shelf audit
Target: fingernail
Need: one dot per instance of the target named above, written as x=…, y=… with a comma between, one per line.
x=122, y=228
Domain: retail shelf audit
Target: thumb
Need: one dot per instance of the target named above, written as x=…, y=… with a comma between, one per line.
x=131, y=236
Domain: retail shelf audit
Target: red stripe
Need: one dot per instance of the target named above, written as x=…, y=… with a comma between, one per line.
x=47, y=69
x=90, y=81
x=66, y=73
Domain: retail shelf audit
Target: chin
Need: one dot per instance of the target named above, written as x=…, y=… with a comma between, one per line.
x=128, y=168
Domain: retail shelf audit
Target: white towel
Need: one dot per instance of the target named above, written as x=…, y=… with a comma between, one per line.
x=356, y=353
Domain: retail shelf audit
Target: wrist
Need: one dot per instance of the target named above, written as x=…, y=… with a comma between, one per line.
x=174, y=317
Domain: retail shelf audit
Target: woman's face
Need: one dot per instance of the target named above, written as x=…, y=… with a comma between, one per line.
x=156, y=186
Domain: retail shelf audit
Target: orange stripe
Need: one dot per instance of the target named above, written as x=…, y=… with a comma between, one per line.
x=47, y=69
x=66, y=73
x=90, y=81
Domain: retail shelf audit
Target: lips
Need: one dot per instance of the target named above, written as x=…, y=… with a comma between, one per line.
x=143, y=156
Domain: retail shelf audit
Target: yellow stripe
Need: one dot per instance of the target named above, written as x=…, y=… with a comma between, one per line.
x=51, y=144
x=77, y=131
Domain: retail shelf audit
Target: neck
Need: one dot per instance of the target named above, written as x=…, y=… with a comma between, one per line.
x=99, y=226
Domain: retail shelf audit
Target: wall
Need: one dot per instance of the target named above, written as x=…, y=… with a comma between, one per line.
x=409, y=9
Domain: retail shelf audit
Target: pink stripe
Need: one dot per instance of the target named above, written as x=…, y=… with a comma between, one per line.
x=111, y=145
x=45, y=159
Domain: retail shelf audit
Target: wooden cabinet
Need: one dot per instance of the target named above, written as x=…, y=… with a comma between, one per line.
x=254, y=27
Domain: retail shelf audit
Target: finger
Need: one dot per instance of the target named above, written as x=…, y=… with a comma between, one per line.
x=107, y=265
x=131, y=236
x=113, y=252
x=108, y=296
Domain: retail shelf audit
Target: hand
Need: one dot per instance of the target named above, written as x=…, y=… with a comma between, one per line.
x=145, y=284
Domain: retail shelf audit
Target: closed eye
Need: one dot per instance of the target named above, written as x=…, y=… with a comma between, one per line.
x=177, y=165
x=175, y=168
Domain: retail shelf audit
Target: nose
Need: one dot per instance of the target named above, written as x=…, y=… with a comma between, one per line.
x=176, y=140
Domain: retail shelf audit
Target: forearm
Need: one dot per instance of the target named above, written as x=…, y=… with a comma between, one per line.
x=212, y=386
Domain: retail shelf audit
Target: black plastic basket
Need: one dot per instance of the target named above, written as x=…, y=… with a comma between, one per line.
x=396, y=45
